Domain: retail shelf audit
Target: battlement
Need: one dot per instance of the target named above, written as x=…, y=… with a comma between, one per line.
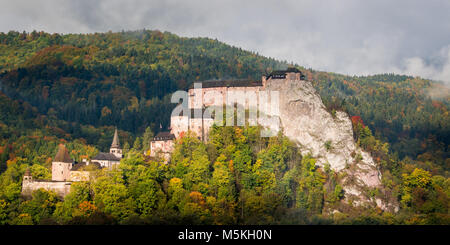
x=229, y=83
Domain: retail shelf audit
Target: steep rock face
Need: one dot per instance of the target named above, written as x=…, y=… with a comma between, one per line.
x=305, y=120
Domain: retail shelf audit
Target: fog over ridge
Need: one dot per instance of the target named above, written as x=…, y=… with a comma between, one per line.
x=350, y=36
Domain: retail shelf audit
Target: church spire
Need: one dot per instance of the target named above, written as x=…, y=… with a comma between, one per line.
x=115, y=146
x=115, y=143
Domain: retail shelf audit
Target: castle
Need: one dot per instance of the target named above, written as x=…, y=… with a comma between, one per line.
x=162, y=145
x=65, y=171
x=198, y=121
x=111, y=159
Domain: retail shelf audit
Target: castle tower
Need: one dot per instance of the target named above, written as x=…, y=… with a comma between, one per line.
x=61, y=165
x=27, y=177
x=115, y=146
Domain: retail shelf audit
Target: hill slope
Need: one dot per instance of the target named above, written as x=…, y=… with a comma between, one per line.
x=76, y=88
x=124, y=79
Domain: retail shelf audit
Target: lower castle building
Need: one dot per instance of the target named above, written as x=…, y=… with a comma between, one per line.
x=65, y=171
x=162, y=145
x=62, y=176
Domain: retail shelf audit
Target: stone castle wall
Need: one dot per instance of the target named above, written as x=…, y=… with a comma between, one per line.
x=79, y=176
x=199, y=128
x=217, y=96
x=62, y=188
x=179, y=124
x=204, y=97
x=61, y=171
x=161, y=146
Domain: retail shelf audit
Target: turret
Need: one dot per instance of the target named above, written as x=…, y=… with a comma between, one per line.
x=61, y=165
x=115, y=146
x=27, y=177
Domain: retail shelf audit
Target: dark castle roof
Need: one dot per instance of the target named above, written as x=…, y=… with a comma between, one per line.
x=281, y=74
x=229, y=83
x=81, y=165
x=163, y=136
x=105, y=156
x=62, y=155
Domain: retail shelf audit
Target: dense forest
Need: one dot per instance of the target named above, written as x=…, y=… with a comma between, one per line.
x=76, y=88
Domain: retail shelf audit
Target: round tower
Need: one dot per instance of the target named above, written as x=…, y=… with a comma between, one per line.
x=61, y=165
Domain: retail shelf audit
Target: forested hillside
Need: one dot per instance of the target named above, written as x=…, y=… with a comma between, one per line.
x=102, y=79
x=76, y=88
x=398, y=109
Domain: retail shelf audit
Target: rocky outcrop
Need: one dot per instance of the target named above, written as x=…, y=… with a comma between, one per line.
x=328, y=138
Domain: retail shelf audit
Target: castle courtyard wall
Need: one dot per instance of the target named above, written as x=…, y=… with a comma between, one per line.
x=217, y=96
x=200, y=127
x=62, y=188
x=179, y=124
x=79, y=176
x=61, y=171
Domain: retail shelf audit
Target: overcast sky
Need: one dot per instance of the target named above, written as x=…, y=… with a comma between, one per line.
x=355, y=37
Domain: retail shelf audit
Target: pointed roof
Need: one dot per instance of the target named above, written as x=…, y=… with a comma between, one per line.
x=62, y=155
x=115, y=143
x=81, y=165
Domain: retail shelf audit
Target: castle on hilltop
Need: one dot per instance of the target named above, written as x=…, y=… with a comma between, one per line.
x=213, y=93
x=65, y=171
x=197, y=120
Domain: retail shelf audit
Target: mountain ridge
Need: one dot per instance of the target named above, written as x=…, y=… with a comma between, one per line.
x=75, y=88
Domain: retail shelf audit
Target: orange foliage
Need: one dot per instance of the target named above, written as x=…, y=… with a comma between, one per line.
x=182, y=134
x=357, y=120
x=87, y=208
x=11, y=162
x=196, y=197
x=231, y=166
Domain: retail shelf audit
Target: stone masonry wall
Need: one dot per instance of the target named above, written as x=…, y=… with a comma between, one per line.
x=62, y=188
x=61, y=171
x=163, y=146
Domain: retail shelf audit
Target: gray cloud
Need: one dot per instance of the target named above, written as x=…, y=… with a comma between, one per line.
x=347, y=36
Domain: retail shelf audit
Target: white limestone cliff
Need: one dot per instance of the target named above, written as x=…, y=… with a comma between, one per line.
x=305, y=120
